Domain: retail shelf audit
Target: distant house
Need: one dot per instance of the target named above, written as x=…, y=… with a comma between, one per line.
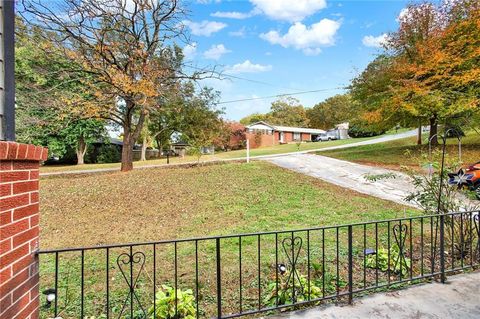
x=180, y=148
x=340, y=132
x=264, y=134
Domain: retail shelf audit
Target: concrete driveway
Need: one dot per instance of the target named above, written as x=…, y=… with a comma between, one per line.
x=349, y=175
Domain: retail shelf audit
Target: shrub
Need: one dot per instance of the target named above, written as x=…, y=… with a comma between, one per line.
x=361, y=129
x=285, y=290
x=323, y=277
x=165, y=304
x=108, y=154
x=396, y=262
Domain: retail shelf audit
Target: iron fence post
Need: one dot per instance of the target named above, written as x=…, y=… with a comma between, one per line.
x=219, y=281
x=442, y=214
x=350, y=265
x=442, y=248
x=7, y=102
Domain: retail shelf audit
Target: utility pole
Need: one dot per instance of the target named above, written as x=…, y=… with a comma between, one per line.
x=7, y=70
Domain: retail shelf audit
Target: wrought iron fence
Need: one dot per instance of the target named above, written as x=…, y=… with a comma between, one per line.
x=236, y=275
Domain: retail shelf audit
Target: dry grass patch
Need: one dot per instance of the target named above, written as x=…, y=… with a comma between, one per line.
x=155, y=204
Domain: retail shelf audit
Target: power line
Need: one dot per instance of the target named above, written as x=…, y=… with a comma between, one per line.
x=281, y=95
x=264, y=83
x=243, y=79
x=256, y=81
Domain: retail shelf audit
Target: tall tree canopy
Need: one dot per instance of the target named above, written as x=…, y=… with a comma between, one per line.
x=42, y=87
x=253, y=118
x=284, y=111
x=288, y=111
x=334, y=110
x=126, y=50
x=430, y=72
x=191, y=113
x=442, y=81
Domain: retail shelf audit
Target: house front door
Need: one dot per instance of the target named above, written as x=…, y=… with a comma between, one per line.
x=281, y=137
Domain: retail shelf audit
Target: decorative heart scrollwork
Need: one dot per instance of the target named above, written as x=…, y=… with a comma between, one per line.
x=292, y=247
x=126, y=263
x=400, y=235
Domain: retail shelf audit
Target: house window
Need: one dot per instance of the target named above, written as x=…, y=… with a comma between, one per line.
x=296, y=136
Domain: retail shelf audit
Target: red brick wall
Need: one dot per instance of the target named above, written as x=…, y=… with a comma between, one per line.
x=306, y=137
x=270, y=140
x=19, y=163
x=288, y=137
x=265, y=140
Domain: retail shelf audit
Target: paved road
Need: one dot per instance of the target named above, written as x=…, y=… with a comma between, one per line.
x=372, y=141
x=385, y=138
x=349, y=175
x=457, y=299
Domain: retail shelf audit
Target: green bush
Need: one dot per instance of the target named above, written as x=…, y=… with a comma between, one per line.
x=361, y=129
x=108, y=154
x=165, y=304
x=285, y=290
x=383, y=263
x=323, y=277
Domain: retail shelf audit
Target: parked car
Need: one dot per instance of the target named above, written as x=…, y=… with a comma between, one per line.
x=467, y=178
x=325, y=137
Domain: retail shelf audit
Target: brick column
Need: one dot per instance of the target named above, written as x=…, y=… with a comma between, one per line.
x=19, y=164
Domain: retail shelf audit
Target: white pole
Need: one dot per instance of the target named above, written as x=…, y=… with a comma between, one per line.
x=248, y=151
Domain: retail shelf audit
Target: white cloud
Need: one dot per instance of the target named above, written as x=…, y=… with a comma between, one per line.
x=239, y=33
x=233, y=14
x=411, y=12
x=374, y=42
x=204, y=28
x=208, y=1
x=289, y=10
x=190, y=50
x=215, y=52
x=248, y=67
x=309, y=39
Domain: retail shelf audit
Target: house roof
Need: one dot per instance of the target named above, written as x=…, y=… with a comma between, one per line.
x=109, y=140
x=290, y=128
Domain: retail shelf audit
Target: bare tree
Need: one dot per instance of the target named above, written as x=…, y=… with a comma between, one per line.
x=126, y=50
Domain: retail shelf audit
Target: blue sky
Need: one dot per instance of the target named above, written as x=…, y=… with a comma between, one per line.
x=293, y=45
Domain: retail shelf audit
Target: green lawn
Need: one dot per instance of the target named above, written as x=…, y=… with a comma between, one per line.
x=277, y=149
x=405, y=152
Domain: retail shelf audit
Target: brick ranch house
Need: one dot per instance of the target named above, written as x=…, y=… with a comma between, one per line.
x=264, y=134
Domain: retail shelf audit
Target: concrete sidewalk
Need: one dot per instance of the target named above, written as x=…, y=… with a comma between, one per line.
x=457, y=299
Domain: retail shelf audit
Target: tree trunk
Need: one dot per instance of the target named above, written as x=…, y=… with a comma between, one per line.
x=127, y=152
x=433, y=138
x=143, y=156
x=81, y=150
x=419, y=134
x=130, y=136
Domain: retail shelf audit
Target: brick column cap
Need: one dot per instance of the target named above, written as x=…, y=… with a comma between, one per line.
x=22, y=152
